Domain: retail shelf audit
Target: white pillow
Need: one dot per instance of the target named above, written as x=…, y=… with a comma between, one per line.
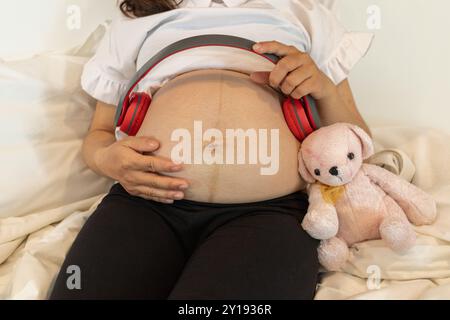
x=45, y=116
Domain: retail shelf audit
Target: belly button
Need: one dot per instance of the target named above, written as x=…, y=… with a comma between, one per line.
x=212, y=145
x=211, y=148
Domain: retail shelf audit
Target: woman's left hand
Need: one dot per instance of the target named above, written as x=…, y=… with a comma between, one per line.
x=296, y=74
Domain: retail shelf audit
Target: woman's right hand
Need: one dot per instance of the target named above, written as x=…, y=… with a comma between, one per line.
x=141, y=175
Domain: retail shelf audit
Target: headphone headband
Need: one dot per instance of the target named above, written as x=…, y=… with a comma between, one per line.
x=207, y=40
x=301, y=115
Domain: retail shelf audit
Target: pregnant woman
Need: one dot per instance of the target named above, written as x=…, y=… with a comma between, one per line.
x=199, y=230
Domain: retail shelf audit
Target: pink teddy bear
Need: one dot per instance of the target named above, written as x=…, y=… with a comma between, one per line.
x=350, y=201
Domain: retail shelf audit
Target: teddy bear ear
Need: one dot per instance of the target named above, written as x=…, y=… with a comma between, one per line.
x=366, y=141
x=304, y=172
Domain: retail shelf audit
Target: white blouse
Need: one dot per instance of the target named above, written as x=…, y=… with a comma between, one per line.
x=305, y=24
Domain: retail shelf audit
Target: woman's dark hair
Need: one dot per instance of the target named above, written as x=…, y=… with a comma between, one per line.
x=143, y=8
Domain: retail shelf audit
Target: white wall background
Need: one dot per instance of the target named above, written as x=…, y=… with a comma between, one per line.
x=404, y=80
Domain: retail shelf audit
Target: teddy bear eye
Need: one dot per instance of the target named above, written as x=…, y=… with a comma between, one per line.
x=317, y=172
x=351, y=156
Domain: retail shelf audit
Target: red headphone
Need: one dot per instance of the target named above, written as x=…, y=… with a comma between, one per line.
x=301, y=115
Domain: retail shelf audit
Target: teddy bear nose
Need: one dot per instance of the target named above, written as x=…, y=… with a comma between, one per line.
x=334, y=171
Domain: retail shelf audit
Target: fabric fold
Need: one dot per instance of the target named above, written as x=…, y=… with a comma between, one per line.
x=101, y=87
x=353, y=47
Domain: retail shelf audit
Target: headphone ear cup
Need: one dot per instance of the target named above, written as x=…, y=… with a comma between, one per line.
x=289, y=111
x=135, y=113
x=300, y=116
x=122, y=114
x=311, y=112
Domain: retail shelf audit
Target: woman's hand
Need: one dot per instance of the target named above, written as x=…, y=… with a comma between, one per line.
x=296, y=74
x=140, y=174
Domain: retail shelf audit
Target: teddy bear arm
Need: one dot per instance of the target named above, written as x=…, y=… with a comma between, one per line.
x=315, y=196
x=321, y=220
x=419, y=207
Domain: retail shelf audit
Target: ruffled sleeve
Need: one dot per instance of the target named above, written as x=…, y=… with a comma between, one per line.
x=334, y=49
x=102, y=86
x=352, y=47
x=106, y=75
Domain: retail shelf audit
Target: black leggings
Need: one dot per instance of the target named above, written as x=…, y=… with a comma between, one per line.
x=131, y=248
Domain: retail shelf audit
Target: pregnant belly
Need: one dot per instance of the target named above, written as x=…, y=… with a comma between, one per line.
x=229, y=132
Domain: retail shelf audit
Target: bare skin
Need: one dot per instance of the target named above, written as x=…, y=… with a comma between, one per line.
x=142, y=164
x=225, y=100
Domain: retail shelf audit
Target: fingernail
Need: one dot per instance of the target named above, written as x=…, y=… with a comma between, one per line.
x=178, y=195
x=176, y=167
x=153, y=144
x=183, y=186
x=257, y=47
x=168, y=201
